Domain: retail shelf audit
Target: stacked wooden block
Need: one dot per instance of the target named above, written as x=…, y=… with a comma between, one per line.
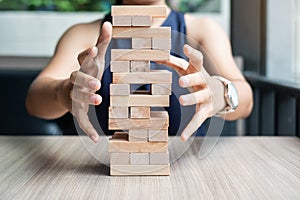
x=140, y=144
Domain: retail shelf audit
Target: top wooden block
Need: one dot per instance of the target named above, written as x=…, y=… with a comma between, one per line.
x=153, y=11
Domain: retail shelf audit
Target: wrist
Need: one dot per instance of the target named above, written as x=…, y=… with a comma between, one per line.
x=230, y=96
x=219, y=96
x=62, y=93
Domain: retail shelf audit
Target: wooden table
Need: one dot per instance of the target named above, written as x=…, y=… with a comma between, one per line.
x=237, y=168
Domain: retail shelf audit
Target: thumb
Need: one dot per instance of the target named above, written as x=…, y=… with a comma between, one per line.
x=104, y=40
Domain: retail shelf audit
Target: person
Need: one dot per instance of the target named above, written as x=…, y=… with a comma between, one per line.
x=69, y=83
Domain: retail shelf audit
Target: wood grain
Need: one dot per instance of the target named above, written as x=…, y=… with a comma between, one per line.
x=161, y=43
x=140, y=66
x=153, y=11
x=138, y=135
x=139, y=124
x=139, y=159
x=140, y=170
x=158, y=135
x=141, y=20
x=141, y=43
x=140, y=100
x=154, y=76
x=119, y=89
x=161, y=89
x=118, y=112
x=159, y=158
x=139, y=55
x=62, y=167
x=140, y=112
x=141, y=32
x=121, y=20
x=119, y=158
x=138, y=147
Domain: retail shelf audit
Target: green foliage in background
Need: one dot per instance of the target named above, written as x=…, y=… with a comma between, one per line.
x=196, y=5
x=102, y=5
x=57, y=5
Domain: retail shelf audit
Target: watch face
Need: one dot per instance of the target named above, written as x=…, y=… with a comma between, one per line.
x=233, y=96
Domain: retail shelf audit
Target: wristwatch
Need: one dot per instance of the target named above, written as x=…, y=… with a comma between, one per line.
x=231, y=96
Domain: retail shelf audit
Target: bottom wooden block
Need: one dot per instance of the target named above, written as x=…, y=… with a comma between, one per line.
x=119, y=158
x=140, y=170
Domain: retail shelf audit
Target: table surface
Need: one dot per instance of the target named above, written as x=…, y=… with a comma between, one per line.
x=237, y=168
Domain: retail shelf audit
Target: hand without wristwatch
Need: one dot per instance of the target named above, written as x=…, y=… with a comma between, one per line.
x=230, y=95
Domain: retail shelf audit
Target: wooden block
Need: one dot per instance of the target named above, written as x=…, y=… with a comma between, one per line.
x=158, y=158
x=158, y=135
x=120, y=136
x=142, y=54
x=119, y=158
x=121, y=20
x=138, y=135
x=154, y=11
x=120, y=66
x=118, y=112
x=154, y=76
x=139, y=158
x=161, y=43
x=159, y=114
x=141, y=43
x=161, y=89
x=136, y=147
x=141, y=20
x=119, y=89
x=140, y=112
x=141, y=32
x=140, y=66
x=158, y=120
x=127, y=124
x=140, y=100
x=140, y=170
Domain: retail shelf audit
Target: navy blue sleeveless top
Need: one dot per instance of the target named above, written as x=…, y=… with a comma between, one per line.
x=179, y=116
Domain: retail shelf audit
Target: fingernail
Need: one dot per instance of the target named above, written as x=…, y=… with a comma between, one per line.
x=184, y=137
x=182, y=100
x=94, y=84
x=184, y=81
x=94, y=138
x=95, y=99
x=189, y=49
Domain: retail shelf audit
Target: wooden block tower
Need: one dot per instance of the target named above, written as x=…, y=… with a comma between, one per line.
x=140, y=144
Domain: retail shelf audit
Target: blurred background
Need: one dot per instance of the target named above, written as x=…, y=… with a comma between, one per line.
x=265, y=37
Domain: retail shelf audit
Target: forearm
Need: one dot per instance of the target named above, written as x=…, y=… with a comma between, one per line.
x=245, y=101
x=47, y=98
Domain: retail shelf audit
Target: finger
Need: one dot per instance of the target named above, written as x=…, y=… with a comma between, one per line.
x=175, y=63
x=80, y=96
x=178, y=62
x=86, y=125
x=195, y=79
x=200, y=96
x=195, y=123
x=86, y=55
x=195, y=56
x=89, y=64
x=84, y=80
x=104, y=40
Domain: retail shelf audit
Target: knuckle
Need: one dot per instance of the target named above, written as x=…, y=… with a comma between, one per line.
x=73, y=76
x=71, y=94
x=80, y=58
x=200, y=55
x=208, y=96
